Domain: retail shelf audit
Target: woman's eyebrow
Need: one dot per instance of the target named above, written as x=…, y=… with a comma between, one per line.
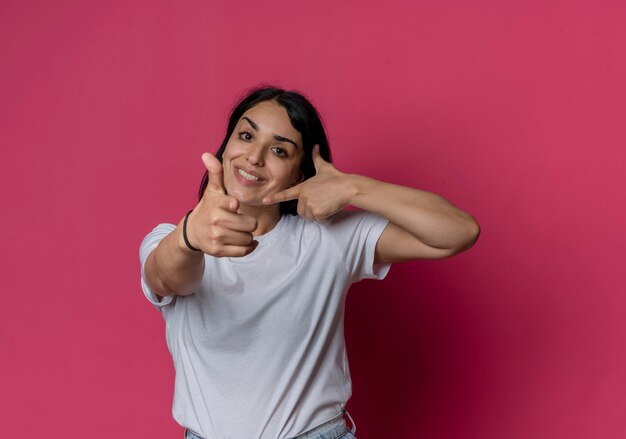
x=251, y=122
x=276, y=136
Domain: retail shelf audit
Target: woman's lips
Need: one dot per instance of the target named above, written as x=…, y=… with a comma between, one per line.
x=248, y=178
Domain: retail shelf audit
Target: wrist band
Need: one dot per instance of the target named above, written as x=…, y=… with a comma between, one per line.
x=187, y=243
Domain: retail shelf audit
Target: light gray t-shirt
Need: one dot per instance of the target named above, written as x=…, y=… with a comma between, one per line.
x=259, y=349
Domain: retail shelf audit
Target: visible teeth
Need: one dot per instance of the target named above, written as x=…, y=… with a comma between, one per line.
x=247, y=176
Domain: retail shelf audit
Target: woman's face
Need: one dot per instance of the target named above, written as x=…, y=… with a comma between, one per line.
x=263, y=154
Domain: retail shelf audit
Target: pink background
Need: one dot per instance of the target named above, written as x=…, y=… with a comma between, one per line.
x=512, y=110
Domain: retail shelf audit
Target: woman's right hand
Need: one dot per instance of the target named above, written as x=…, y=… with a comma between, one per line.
x=214, y=226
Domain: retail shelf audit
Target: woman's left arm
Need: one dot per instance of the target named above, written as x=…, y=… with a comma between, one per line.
x=422, y=225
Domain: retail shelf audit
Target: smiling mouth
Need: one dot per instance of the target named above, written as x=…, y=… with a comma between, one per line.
x=247, y=176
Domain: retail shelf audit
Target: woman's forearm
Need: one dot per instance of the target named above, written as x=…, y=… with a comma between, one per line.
x=428, y=217
x=172, y=268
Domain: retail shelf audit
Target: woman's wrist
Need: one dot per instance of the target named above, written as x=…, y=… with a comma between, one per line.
x=358, y=186
x=182, y=246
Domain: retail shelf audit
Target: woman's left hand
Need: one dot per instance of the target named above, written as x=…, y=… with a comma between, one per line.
x=321, y=196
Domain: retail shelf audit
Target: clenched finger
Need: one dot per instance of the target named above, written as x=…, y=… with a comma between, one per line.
x=238, y=222
x=235, y=251
x=233, y=237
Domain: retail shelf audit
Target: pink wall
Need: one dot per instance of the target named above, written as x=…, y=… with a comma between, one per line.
x=512, y=110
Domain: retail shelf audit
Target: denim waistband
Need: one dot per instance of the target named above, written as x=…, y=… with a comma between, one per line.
x=333, y=429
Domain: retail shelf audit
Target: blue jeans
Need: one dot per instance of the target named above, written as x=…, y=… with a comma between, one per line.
x=336, y=428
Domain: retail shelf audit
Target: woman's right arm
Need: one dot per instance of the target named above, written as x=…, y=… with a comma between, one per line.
x=172, y=268
x=214, y=227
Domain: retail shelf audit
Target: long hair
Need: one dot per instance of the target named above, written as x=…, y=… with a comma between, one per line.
x=304, y=118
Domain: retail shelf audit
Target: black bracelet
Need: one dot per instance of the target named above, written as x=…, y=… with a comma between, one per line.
x=187, y=243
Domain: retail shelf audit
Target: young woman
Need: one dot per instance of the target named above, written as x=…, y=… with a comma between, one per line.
x=252, y=282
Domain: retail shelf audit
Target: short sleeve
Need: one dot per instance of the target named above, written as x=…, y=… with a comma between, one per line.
x=356, y=234
x=148, y=244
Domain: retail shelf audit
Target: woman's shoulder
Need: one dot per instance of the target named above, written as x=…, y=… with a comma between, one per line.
x=342, y=222
x=340, y=217
x=351, y=216
x=160, y=231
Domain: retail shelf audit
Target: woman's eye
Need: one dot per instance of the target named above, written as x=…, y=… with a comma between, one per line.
x=245, y=136
x=279, y=151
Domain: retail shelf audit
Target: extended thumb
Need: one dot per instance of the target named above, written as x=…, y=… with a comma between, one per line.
x=216, y=172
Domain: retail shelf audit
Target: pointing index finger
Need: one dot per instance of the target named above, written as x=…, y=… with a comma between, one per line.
x=292, y=193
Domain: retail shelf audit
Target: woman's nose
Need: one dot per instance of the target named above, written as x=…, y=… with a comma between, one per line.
x=255, y=155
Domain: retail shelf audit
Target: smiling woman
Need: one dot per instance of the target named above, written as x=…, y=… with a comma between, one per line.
x=302, y=117
x=257, y=161
x=252, y=281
